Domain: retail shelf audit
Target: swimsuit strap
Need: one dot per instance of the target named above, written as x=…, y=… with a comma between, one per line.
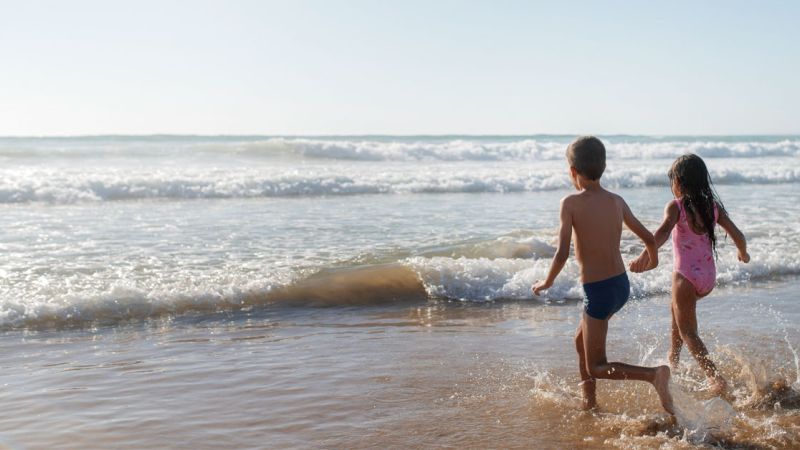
x=682, y=214
x=681, y=210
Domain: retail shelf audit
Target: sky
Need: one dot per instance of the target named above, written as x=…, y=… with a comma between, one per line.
x=326, y=67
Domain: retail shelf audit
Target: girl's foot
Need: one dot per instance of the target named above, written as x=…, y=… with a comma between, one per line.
x=719, y=388
x=674, y=359
x=661, y=383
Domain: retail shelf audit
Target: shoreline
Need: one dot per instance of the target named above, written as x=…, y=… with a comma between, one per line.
x=434, y=373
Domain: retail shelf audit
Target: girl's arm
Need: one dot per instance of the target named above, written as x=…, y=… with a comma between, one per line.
x=562, y=253
x=671, y=214
x=661, y=235
x=639, y=265
x=733, y=231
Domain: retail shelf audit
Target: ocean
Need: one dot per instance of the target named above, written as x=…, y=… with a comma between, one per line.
x=370, y=291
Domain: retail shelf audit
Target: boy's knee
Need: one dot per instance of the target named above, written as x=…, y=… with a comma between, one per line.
x=599, y=371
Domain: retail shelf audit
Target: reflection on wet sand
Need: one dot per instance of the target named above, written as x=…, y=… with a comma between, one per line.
x=429, y=373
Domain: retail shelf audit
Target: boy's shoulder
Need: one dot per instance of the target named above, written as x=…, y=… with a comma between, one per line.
x=570, y=199
x=585, y=196
x=616, y=196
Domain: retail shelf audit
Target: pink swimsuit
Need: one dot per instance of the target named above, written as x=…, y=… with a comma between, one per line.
x=692, y=253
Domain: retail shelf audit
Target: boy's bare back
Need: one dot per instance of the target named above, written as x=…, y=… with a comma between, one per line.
x=594, y=218
x=597, y=217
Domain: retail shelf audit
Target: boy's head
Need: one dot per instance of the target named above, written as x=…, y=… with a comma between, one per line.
x=587, y=155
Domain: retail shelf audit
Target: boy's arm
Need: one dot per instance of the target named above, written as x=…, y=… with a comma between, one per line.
x=639, y=265
x=562, y=253
x=733, y=231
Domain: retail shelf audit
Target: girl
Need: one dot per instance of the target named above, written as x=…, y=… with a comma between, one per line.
x=693, y=215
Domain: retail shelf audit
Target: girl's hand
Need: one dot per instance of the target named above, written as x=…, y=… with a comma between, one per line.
x=540, y=286
x=744, y=256
x=640, y=264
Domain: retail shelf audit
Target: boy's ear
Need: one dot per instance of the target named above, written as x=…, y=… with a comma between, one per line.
x=573, y=171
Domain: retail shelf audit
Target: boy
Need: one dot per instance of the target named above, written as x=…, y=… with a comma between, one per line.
x=596, y=215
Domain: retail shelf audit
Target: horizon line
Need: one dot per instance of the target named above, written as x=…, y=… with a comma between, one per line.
x=400, y=135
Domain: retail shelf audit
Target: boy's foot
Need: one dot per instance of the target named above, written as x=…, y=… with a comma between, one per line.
x=589, y=405
x=589, y=394
x=661, y=383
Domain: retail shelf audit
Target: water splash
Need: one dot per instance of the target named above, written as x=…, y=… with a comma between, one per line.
x=702, y=420
x=764, y=387
x=793, y=350
x=784, y=330
x=550, y=388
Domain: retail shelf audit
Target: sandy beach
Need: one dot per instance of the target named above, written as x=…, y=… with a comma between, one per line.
x=430, y=374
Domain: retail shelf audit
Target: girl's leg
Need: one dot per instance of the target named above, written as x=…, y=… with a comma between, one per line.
x=676, y=342
x=684, y=303
x=588, y=384
x=594, y=343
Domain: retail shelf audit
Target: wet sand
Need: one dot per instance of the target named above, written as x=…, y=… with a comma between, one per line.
x=414, y=374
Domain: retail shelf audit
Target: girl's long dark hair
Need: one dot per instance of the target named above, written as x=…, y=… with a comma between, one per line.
x=699, y=196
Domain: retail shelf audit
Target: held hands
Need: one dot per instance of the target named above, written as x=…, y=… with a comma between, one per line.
x=540, y=286
x=642, y=263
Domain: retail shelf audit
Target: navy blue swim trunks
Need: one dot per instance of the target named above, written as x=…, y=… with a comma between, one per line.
x=606, y=297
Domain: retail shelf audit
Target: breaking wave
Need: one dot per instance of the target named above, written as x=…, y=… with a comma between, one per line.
x=388, y=148
x=524, y=150
x=499, y=269
x=92, y=185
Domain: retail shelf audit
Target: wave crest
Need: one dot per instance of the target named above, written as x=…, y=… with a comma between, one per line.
x=388, y=148
x=91, y=185
x=506, y=272
x=525, y=150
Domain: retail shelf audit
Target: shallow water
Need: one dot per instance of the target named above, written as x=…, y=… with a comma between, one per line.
x=499, y=374
x=229, y=292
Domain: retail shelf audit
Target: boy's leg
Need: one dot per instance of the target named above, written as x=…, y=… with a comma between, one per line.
x=588, y=384
x=594, y=343
x=676, y=341
x=684, y=300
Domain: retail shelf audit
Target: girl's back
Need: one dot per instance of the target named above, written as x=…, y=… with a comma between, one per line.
x=693, y=251
x=692, y=219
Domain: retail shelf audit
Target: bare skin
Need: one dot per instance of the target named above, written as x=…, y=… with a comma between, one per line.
x=685, y=297
x=595, y=217
x=593, y=364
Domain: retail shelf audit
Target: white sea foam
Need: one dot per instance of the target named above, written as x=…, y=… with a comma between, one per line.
x=504, y=268
x=484, y=279
x=464, y=148
x=527, y=149
x=76, y=302
x=103, y=257
x=34, y=184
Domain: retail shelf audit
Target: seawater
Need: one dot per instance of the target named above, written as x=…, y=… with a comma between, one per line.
x=353, y=291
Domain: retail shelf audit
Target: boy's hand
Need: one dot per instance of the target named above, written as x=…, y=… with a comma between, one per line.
x=640, y=264
x=540, y=286
x=744, y=256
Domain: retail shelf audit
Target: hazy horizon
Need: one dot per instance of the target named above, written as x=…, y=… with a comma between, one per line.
x=405, y=136
x=359, y=68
